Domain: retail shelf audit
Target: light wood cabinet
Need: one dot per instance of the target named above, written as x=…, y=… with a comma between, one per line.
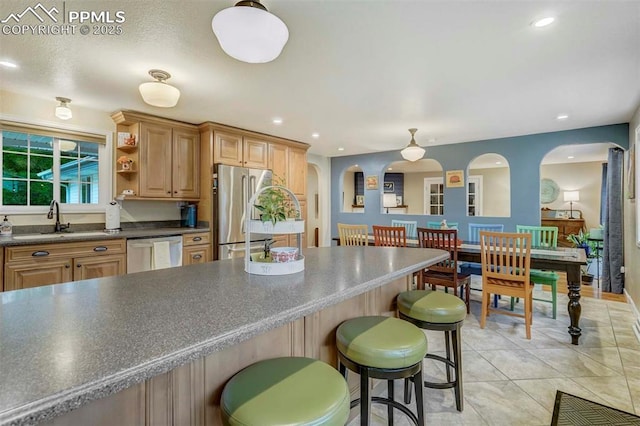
x=279, y=160
x=166, y=158
x=565, y=227
x=44, y=264
x=36, y=273
x=196, y=248
x=238, y=150
x=99, y=266
x=297, y=177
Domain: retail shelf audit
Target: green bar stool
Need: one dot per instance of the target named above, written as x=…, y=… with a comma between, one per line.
x=435, y=310
x=382, y=348
x=286, y=391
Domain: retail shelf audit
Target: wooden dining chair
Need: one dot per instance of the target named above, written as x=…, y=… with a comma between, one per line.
x=506, y=269
x=353, y=235
x=389, y=236
x=445, y=273
x=543, y=236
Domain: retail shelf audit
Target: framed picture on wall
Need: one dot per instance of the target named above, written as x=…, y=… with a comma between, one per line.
x=371, y=182
x=359, y=200
x=388, y=187
x=455, y=178
x=399, y=200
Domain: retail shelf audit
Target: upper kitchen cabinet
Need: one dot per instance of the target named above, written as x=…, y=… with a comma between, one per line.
x=297, y=179
x=166, y=162
x=235, y=149
x=279, y=160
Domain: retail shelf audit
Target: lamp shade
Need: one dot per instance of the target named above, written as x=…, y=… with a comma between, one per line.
x=158, y=93
x=249, y=33
x=63, y=112
x=413, y=151
x=572, y=196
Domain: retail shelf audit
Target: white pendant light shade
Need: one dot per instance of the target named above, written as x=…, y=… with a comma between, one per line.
x=63, y=112
x=413, y=152
x=249, y=33
x=158, y=93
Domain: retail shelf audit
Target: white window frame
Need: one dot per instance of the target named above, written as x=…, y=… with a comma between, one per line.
x=105, y=159
x=477, y=179
x=427, y=195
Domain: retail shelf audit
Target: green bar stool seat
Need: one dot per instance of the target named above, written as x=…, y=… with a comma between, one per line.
x=286, y=391
x=382, y=348
x=435, y=310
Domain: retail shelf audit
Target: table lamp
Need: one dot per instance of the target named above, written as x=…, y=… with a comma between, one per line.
x=389, y=200
x=571, y=196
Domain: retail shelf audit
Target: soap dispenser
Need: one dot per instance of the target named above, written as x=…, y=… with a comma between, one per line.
x=6, y=228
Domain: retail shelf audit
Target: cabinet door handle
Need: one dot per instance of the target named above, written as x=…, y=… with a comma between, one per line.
x=100, y=248
x=67, y=266
x=40, y=253
x=197, y=256
x=197, y=238
x=79, y=265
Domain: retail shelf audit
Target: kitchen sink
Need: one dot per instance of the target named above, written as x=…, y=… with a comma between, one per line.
x=61, y=235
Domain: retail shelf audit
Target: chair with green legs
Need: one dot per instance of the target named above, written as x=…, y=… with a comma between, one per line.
x=542, y=237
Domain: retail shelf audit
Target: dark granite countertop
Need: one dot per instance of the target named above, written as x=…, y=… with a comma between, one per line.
x=91, y=234
x=64, y=345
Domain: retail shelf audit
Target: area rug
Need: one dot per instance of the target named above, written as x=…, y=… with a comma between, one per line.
x=572, y=410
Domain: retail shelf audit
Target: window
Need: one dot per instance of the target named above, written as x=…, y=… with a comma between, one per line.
x=40, y=164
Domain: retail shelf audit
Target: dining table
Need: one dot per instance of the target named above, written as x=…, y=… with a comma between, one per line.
x=560, y=259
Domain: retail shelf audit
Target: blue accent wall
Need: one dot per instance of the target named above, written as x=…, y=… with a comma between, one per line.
x=524, y=154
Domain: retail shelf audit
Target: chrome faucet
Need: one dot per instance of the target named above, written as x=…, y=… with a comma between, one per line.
x=59, y=227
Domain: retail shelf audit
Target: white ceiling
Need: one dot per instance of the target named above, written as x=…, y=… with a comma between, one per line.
x=358, y=72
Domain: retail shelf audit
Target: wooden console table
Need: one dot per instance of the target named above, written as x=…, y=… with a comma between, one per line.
x=566, y=227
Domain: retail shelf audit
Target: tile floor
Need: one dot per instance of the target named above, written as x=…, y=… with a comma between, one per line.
x=509, y=380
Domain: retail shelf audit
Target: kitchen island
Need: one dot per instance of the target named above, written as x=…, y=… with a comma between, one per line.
x=157, y=347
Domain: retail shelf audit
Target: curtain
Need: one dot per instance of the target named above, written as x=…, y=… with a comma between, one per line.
x=613, y=256
x=603, y=193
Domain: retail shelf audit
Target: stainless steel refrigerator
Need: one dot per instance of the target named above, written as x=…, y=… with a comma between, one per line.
x=232, y=189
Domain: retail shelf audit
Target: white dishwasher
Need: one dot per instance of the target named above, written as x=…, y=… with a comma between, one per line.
x=147, y=254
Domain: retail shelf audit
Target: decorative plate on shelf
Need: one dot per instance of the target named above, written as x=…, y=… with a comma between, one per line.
x=549, y=191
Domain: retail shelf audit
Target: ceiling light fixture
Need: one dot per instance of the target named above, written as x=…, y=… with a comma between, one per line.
x=412, y=152
x=571, y=157
x=315, y=135
x=249, y=33
x=63, y=112
x=562, y=117
x=277, y=121
x=158, y=93
x=341, y=149
x=8, y=64
x=543, y=22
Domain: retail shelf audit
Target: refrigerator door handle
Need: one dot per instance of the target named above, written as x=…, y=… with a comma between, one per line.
x=245, y=200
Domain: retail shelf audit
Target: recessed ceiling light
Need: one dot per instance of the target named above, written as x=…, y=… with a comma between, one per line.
x=315, y=135
x=498, y=162
x=355, y=165
x=8, y=64
x=571, y=157
x=562, y=117
x=543, y=22
x=277, y=120
x=390, y=168
x=341, y=149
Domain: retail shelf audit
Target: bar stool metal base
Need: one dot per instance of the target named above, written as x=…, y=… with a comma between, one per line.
x=452, y=335
x=412, y=373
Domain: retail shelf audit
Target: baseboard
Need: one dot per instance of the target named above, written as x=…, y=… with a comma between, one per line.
x=636, y=324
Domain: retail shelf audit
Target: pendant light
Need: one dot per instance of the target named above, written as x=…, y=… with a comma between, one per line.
x=158, y=93
x=249, y=33
x=413, y=152
x=63, y=112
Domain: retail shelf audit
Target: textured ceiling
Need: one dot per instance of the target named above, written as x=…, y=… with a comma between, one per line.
x=359, y=73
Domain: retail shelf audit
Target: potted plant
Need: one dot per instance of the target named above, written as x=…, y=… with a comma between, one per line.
x=581, y=240
x=277, y=206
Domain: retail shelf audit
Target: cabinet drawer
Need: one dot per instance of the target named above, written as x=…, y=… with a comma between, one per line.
x=193, y=239
x=196, y=254
x=70, y=249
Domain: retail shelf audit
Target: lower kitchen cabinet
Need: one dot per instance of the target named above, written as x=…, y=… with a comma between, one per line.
x=45, y=264
x=196, y=248
x=99, y=266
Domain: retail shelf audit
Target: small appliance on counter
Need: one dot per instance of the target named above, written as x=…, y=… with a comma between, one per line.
x=112, y=217
x=6, y=228
x=189, y=216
